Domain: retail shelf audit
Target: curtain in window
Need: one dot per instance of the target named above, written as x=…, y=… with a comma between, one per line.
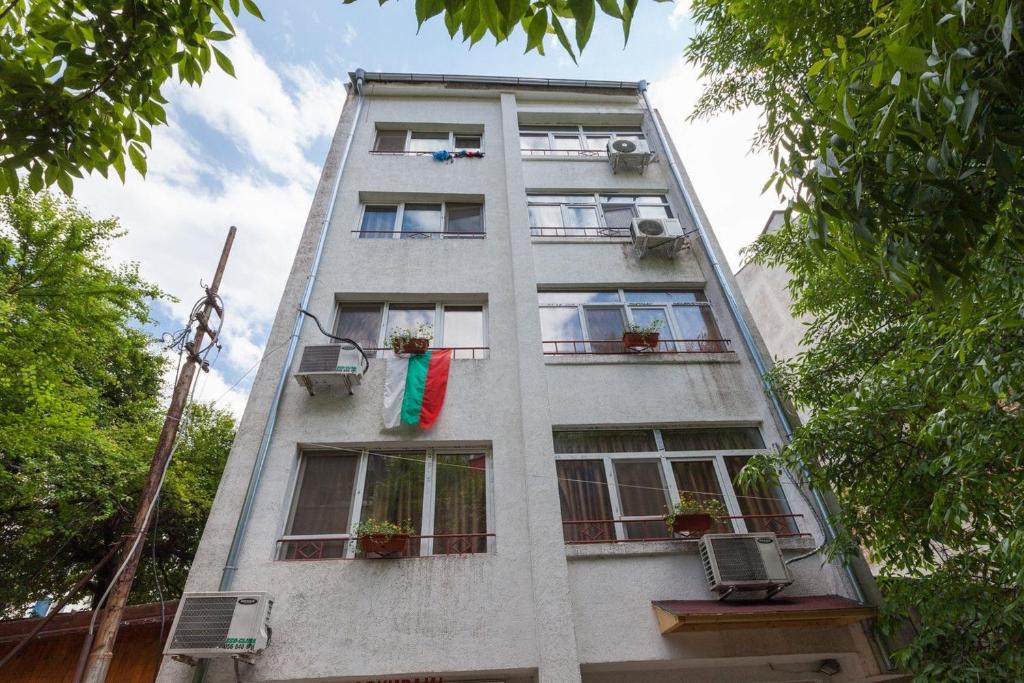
x=323, y=504
x=712, y=439
x=583, y=493
x=390, y=141
x=697, y=479
x=378, y=222
x=642, y=494
x=460, y=503
x=465, y=218
x=605, y=325
x=605, y=441
x=360, y=322
x=464, y=330
x=762, y=498
x=393, y=490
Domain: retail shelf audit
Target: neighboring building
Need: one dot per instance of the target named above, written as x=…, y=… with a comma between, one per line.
x=540, y=554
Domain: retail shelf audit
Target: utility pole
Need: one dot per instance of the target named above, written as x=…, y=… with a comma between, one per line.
x=102, y=651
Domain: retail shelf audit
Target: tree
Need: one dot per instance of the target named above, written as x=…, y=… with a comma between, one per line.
x=80, y=81
x=80, y=410
x=918, y=427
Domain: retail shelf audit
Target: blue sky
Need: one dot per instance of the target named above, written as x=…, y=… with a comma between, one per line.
x=247, y=151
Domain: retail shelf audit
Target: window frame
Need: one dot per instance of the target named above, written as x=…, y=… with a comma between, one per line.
x=396, y=228
x=596, y=200
x=449, y=146
x=582, y=133
x=666, y=458
x=628, y=307
x=359, y=485
x=437, y=326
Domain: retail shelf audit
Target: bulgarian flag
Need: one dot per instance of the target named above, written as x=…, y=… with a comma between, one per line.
x=414, y=388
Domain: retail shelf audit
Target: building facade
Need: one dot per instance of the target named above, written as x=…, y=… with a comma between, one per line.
x=538, y=550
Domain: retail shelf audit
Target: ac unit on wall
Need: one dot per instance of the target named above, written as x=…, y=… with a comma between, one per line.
x=330, y=364
x=743, y=562
x=662, y=234
x=220, y=625
x=625, y=154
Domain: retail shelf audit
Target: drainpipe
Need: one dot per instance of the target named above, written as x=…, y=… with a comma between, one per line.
x=231, y=563
x=821, y=508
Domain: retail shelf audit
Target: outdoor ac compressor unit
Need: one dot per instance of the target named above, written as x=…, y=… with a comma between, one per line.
x=663, y=234
x=220, y=625
x=625, y=154
x=743, y=562
x=325, y=365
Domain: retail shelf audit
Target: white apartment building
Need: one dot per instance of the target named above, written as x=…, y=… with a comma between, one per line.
x=539, y=552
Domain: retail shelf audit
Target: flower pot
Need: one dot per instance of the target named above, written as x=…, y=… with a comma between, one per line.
x=695, y=524
x=414, y=345
x=383, y=544
x=641, y=340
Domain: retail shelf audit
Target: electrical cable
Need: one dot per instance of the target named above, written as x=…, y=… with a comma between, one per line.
x=366, y=361
x=154, y=532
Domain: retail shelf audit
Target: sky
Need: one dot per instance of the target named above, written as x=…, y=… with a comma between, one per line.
x=247, y=151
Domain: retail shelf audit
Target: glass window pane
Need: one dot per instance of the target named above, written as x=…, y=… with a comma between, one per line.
x=581, y=217
x=323, y=505
x=465, y=218
x=561, y=198
x=618, y=216
x=360, y=322
x=697, y=479
x=604, y=328
x=697, y=324
x=761, y=501
x=561, y=330
x=642, y=494
x=567, y=142
x=545, y=220
x=651, y=211
x=646, y=316
x=408, y=316
x=467, y=142
x=460, y=504
x=420, y=220
x=390, y=141
x=378, y=222
x=598, y=143
x=605, y=441
x=648, y=297
x=428, y=142
x=393, y=490
x=651, y=199
x=464, y=330
x=583, y=494
x=533, y=141
x=712, y=439
x=577, y=297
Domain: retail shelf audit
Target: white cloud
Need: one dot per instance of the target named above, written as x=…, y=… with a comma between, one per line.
x=350, y=34
x=680, y=13
x=717, y=155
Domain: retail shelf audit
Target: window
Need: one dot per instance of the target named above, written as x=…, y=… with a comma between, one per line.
x=442, y=494
x=591, y=215
x=444, y=220
x=458, y=327
x=617, y=484
x=424, y=142
x=573, y=141
x=593, y=322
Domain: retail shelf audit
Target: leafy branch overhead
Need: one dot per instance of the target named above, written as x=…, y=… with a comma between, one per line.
x=80, y=80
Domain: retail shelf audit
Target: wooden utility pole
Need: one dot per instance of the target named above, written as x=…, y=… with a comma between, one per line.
x=102, y=651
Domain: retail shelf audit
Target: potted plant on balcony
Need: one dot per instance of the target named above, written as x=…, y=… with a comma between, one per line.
x=693, y=516
x=383, y=538
x=414, y=340
x=639, y=337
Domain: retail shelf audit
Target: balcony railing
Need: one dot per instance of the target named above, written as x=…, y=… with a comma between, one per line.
x=459, y=352
x=651, y=528
x=563, y=152
x=591, y=233
x=335, y=546
x=400, y=154
x=616, y=347
x=419, y=235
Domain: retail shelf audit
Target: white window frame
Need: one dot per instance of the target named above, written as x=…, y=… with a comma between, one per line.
x=597, y=200
x=628, y=306
x=450, y=145
x=581, y=132
x=437, y=325
x=671, y=489
x=396, y=227
x=359, y=486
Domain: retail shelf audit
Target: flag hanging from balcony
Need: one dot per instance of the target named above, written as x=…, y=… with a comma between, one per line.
x=414, y=388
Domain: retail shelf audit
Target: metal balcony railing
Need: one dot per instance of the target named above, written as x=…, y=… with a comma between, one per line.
x=419, y=234
x=563, y=152
x=459, y=352
x=577, y=347
x=335, y=546
x=593, y=233
x=652, y=528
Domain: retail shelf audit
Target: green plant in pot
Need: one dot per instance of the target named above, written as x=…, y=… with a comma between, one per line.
x=383, y=538
x=411, y=340
x=693, y=516
x=642, y=336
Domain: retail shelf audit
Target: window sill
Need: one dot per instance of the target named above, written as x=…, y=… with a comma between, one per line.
x=684, y=547
x=641, y=358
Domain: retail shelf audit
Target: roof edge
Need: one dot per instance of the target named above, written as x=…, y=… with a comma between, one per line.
x=506, y=81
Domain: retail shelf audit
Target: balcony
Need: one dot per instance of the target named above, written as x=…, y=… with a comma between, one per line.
x=458, y=352
x=589, y=233
x=616, y=347
x=420, y=234
x=345, y=547
x=652, y=529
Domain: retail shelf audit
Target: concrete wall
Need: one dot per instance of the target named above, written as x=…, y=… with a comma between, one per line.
x=533, y=608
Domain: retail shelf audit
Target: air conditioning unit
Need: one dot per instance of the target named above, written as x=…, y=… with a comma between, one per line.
x=629, y=155
x=743, y=562
x=211, y=625
x=326, y=365
x=663, y=234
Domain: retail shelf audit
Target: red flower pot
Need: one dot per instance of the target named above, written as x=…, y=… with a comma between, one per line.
x=384, y=545
x=640, y=340
x=415, y=345
x=695, y=524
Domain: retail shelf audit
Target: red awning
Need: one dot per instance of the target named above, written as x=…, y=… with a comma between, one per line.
x=799, y=611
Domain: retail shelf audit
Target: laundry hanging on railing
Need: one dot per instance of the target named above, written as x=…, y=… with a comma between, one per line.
x=450, y=157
